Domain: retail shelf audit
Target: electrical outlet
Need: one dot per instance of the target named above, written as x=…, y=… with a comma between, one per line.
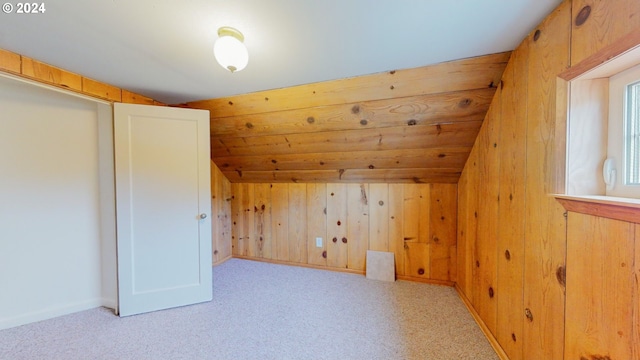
x=319, y=242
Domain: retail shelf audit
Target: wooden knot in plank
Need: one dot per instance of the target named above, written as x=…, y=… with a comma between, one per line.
x=536, y=35
x=335, y=240
x=344, y=240
x=324, y=254
x=583, y=15
x=507, y=255
x=528, y=314
x=561, y=275
x=421, y=271
x=491, y=292
x=465, y=103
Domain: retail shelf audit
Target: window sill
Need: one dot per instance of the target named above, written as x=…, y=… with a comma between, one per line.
x=624, y=209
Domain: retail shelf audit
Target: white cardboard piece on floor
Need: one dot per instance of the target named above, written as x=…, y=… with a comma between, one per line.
x=380, y=266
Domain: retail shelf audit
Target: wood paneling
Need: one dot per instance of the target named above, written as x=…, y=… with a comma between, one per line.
x=236, y=219
x=486, y=260
x=280, y=221
x=337, y=225
x=411, y=213
x=461, y=75
x=468, y=226
x=401, y=126
x=511, y=219
x=442, y=231
x=220, y=215
x=470, y=105
x=417, y=258
x=250, y=246
x=385, y=159
x=317, y=223
x=545, y=229
x=419, y=176
x=600, y=310
x=525, y=160
x=358, y=221
x=379, y=217
x=463, y=265
x=396, y=221
x=359, y=217
x=298, y=223
x=262, y=221
x=599, y=23
x=459, y=134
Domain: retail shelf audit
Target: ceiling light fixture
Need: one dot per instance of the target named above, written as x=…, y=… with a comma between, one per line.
x=229, y=49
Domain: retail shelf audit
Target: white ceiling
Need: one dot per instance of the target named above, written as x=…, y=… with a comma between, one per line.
x=163, y=48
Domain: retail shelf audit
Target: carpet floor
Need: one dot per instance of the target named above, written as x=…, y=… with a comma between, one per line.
x=267, y=311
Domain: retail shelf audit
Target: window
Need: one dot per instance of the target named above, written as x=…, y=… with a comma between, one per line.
x=632, y=135
x=624, y=132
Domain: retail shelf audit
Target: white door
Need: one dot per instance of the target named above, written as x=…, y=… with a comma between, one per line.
x=163, y=207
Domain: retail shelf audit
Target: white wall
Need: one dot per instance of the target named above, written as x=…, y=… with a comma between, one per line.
x=51, y=239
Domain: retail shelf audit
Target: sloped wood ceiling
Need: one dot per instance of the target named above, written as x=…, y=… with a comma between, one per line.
x=415, y=125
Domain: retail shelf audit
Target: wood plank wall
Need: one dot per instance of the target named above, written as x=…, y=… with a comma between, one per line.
x=220, y=216
x=602, y=301
x=512, y=235
x=280, y=222
x=406, y=126
x=22, y=66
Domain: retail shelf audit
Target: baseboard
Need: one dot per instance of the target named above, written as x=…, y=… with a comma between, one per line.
x=343, y=270
x=49, y=313
x=110, y=303
x=485, y=330
x=425, y=281
x=319, y=267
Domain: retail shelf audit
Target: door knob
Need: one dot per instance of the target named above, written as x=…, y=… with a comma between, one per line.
x=203, y=216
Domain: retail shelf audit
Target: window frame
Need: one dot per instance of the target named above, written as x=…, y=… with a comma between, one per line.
x=617, y=137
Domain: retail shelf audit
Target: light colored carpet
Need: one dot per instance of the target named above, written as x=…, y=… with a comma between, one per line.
x=267, y=311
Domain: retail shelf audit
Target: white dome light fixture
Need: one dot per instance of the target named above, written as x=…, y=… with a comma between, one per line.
x=229, y=49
